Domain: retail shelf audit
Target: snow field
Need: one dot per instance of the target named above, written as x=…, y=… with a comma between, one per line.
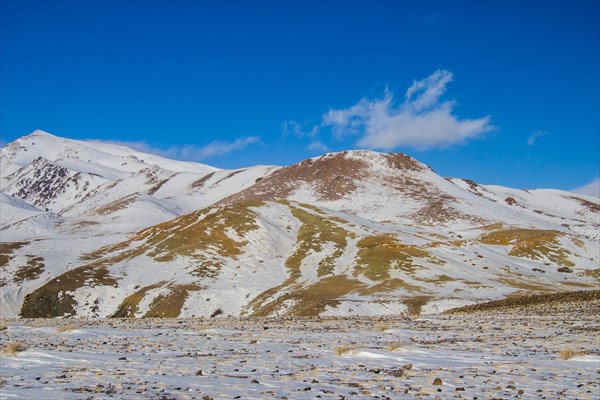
x=543, y=352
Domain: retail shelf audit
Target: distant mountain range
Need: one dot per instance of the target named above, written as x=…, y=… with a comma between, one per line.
x=90, y=229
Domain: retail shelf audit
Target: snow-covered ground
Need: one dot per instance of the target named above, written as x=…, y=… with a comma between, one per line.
x=540, y=352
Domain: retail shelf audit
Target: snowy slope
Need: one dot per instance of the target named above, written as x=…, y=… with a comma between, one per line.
x=15, y=209
x=557, y=207
x=280, y=258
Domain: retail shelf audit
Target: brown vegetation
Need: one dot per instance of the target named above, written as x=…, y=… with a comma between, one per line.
x=535, y=244
x=314, y=232
x=34, y=268
x=535, y=299
x=378, y=255
x=6, y=251
x=53, y=299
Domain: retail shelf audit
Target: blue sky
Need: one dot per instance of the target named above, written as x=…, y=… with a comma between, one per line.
x=499, y=92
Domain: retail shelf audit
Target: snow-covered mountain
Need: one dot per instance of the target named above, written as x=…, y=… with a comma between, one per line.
x=96, y=229
x=97, y=184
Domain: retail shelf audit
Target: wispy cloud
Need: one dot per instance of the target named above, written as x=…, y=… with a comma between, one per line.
x=590, y=189
x=294, y=128
x=532, y=138
x=219, y=147
x=305, y=131
x=190, y=152
x=422, y=121
x=317, y=146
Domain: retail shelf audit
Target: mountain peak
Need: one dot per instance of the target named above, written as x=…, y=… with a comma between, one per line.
x=347, y=180
x=39, y=135
x=399, y=161
x=39, y=132
x=99, y=157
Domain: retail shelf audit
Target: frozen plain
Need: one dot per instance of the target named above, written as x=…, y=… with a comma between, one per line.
x=546, y=351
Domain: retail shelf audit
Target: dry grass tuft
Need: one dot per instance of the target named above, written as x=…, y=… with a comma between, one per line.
x=200, y=327
x=342, y=350
x=394, y=346
x=567, y=354
x=67, y=328
x=12, y=348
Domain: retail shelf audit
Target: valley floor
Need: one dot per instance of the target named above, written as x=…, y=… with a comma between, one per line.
x=545, y=351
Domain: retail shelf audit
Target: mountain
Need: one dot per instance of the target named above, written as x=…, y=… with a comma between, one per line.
x=97, y=184
x=398, y=188
x=92, y=229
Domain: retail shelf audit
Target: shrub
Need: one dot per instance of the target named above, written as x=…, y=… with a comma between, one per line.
x=565, y=269
x=218, y=311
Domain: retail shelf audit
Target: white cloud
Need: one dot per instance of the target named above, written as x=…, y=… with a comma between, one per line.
x=428, y=91
x=218, y=147
x=189, y=152
x=317, y=146
x=421, y=121
x=590, y=189
x=348, y=121
x=534, y=136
